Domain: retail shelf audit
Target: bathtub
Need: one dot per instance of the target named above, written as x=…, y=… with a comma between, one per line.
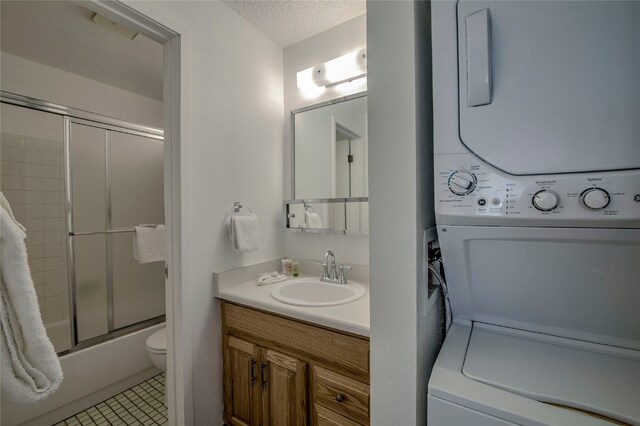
x=91, y=375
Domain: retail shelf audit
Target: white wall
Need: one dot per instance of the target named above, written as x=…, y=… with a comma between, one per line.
x=231, y=149
x=29, y=78
x=404, y=326
x=330, y=44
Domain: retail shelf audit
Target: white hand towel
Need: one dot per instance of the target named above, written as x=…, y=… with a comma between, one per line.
x=148, y=243
x=270, y=278
x=29, y=366
x=311, y=220
x=243, y=232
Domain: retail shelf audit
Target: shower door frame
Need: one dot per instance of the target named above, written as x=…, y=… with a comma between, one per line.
x=86, y=118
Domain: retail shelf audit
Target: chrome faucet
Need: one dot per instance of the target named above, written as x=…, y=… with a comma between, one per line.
x=330, y=270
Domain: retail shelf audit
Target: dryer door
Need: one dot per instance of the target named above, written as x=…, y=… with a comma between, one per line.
x=550, y=87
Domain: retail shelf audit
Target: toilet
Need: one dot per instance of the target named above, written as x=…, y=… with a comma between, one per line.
x=157, y=348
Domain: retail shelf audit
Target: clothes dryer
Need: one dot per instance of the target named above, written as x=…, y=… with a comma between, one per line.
x=537, y=193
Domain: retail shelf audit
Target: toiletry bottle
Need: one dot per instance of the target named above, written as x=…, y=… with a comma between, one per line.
x=295, y=266
x=286, y=266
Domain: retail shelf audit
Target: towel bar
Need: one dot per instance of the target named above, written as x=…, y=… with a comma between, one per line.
x=107, y=231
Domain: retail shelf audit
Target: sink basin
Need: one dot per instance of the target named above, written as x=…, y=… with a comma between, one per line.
x=313, y=292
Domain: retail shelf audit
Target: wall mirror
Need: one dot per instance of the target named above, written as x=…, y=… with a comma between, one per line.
x=330, y=168
x=330, y=149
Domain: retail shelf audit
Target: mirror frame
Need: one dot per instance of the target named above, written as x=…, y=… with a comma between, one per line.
x=285, y=215
x=293, y=146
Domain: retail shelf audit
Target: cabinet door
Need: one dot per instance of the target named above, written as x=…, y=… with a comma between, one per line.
x=284, y=390
x=241, y=386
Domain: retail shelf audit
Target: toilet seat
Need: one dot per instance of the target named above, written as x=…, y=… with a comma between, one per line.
x=157, y=342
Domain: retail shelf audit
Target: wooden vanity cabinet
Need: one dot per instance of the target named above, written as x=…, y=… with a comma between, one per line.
x=283, y=372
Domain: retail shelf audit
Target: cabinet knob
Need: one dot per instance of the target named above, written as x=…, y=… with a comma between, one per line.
x=340, y=398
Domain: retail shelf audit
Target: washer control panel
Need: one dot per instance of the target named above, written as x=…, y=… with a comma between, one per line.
x=468, y=191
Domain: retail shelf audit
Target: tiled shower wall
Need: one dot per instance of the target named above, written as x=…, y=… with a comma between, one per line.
x=33, y=181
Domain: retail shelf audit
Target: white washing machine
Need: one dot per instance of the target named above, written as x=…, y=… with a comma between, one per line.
x=537, y=193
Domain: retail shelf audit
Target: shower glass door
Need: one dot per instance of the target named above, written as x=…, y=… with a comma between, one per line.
x=116, y=182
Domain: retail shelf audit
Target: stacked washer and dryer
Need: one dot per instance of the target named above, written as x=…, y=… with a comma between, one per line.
x=537, y=192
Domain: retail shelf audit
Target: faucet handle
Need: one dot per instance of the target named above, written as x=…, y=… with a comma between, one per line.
x=325, y=271
x=342, y=278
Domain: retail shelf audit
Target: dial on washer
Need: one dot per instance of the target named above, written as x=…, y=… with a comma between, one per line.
x=462, y=182
x=595, y=198
x=545, y=200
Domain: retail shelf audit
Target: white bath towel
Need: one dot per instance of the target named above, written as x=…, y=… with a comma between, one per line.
x=29, y=366
x=243, y=232
x=148, y=243
x=265, y=278
x=311, y=220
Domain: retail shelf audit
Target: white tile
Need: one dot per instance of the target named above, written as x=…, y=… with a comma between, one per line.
x=52, y=158
x=33, y=210
x=49, y=145
x=49, y=197
x=33, y=184
x=52, y=211
x=52, y=289
x=13, y=182
x=33, y=224
x=52, y=184
x=52, y=263
x=12, y=140
x=33, y=170
x=34, y=238
x=38, y=278
x=39, y=291
x=13, y=196
x=55, y=315
x=18, y=212
x=12, y=168
x=51, y=250
x=33, y=197
x=33, y=156
x=54, y=223
x=52, y=172
x=53, y=302
x=52, y=237
x=36, y=264
x=32, y=143
x=12, y=154
x=53, y=276
x=35, y=251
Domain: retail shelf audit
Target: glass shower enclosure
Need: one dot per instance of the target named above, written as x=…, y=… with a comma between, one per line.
x=82, y=182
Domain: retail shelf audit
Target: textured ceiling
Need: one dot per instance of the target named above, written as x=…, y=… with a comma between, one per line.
x=289, y=21
x=59, y=34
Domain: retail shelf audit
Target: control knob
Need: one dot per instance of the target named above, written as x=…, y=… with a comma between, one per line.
x=595, y=198
x=545, y=200
x=462, y=182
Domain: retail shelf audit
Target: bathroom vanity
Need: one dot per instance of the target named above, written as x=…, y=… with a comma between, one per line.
x=292, y=365
x=323, y=372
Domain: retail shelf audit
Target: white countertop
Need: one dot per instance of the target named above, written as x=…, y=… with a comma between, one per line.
x=351, y=317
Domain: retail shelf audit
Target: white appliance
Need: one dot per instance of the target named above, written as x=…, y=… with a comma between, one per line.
x=537, y=192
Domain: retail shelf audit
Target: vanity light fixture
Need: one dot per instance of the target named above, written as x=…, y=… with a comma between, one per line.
x=344, y=69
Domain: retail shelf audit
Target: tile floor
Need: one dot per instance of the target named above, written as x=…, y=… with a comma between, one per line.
x=141, y=405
